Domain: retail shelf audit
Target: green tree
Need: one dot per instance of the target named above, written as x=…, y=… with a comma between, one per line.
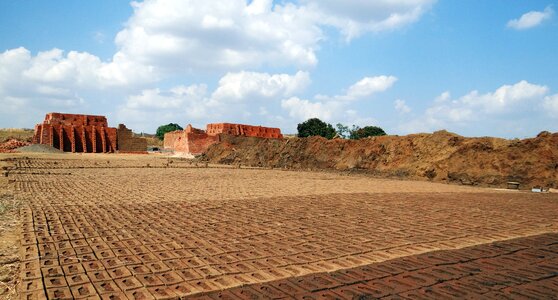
x=342, y=130
x=366, y=131
x=161, y=130
x=315, y=126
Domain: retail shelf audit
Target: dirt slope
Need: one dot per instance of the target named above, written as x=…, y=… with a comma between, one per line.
x=441, y=156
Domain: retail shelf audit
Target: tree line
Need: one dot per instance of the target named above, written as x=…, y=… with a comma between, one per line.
x=317, y=127
x=310, y=127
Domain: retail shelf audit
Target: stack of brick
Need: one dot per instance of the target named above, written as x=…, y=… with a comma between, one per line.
x=190, y=140
x=76, y=133
x=128, y=143
x=244, y=130
x=196, y=141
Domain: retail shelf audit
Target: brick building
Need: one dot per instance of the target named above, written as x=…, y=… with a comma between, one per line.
x=86, y=133
x=76, y=133
x=196, y=141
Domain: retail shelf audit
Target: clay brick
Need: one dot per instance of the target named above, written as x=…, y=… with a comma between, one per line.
x=106, y=287
x=83, y=291
x=119, y=272
x=128, y=283
x=170, y=278
x=77, y=279
x=53, y=271
x=139, y=270
x=28, y=286
x=62, y=293
x=162, y=292
x=139, y=294
x=34, y=295
x=72, y=269
x=182, y=289
x=150, y=280
x=98, y=275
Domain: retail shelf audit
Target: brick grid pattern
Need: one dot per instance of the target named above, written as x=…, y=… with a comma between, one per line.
x=524, y=268
x=120, y=229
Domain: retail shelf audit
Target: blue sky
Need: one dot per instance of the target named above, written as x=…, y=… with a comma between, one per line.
x=472, y=67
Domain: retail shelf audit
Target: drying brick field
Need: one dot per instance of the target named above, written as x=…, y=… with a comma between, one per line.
x=148, y=227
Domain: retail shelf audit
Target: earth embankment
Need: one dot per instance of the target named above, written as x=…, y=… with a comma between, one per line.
x=441, y=156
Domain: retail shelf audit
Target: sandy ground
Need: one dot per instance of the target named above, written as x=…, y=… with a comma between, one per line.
x=133, y=225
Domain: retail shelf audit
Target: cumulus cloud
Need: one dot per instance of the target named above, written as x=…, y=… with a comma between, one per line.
x=531, y=19
x=179, y=35
x=550, y=105
x=448, y=113
x=334, y=108
x=233, y=99
x=401, y=106
x=55, y=81
x=193, y=35
x=302, y=109
x=243, y=85
x=23, y=89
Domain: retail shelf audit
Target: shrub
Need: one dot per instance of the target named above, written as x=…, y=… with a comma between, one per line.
x=366, y=131
x=315, y=126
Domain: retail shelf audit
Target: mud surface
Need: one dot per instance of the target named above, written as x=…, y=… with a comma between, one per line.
x=142, y=227
x=441, y=157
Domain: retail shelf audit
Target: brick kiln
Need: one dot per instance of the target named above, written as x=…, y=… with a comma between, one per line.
x=76, y=133
x=85, y=133
x=195, y=141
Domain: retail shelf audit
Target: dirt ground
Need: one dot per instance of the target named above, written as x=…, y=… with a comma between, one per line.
x=144, y=226
x=440, y=157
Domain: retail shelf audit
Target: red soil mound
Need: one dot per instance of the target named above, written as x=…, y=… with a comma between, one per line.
x=441, y=156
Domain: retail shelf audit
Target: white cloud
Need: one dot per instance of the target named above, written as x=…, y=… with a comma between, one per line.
x=365, y=87
x=550, y=105
x=193, y=35
x=302, y=109
x=401, y=106
x=243, y=85
x=178, y=35
x=234, y=99
x=448, y=113
x=334, y=108
x=370, y=85
x=355, y=17
x=531, y=19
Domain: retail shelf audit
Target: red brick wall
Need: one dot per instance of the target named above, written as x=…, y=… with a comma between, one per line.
x=173, y=139
x=76, y=133
x=128, y=143
x=75, y=119
x=196, y=141
x=243, y=130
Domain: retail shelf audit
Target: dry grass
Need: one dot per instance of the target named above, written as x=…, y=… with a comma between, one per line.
x=16, y=133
